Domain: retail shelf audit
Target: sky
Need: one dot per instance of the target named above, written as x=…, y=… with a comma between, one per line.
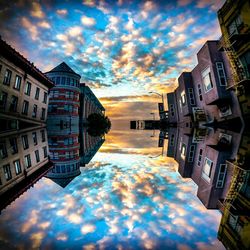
x=122, y=49
x=124, y=199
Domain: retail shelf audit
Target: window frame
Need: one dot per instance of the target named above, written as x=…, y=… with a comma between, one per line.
x=17, y=84
x=207, y=175
x=204, y=74
x=7, y=77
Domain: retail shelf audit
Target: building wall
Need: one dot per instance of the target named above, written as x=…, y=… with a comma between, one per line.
x=10, y=90
x=64, y=97
x=173, y=115
x=8, y=156
x=64, y=154
x=89, y=103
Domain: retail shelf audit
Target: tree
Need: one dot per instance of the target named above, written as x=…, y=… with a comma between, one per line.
x=98, y=124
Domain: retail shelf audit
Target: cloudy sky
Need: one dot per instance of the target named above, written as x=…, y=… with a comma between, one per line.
x=124, y=199
x=122, y=49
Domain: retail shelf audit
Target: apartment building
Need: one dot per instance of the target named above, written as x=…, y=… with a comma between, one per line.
x=89, y=103
x=23, y=90
x=21, y=155
x=64, y=101
x=235, y=27
x=235, y=221
x=203, y=156
x=202, y=97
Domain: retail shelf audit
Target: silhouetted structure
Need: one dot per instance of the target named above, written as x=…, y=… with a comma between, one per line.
x=145, y=124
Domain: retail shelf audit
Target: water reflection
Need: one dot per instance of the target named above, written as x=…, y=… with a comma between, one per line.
x=24, y=160
x=129, y=198
x=218, y=162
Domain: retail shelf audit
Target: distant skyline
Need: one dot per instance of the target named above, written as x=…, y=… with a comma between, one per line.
x=122, y=49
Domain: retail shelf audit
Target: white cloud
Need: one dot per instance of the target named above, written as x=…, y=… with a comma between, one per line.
x=62, y=12
x=30, y=27
x=88, y=21
x=75, y=31
x=44, y=24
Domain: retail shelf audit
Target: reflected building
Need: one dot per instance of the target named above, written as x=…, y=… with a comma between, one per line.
x=235, y=222
x=64, y=153
x=89, y=145
x=70, y=149
x=218, y=162
x=202, y=155
x=23, y=91
x=24, y=160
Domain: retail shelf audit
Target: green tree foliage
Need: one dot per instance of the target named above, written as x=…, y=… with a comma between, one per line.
x=98, y=124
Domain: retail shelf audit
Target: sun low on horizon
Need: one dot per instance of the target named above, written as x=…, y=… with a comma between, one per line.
x=122, y=49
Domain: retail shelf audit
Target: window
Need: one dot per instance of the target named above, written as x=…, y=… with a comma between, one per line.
x=68, y=141
x=7, y=172
x=191, y=96
x=25, y=141
x=45, y=97
x=13, y=103
x=34, y=138
x=245, y=61
x=43, y=114
x=183, y=151
x=37, y=156
x=68, y=81
x=200, y=92
x=13, y=145
x=207, y=169
x=34, y=111
x=183, y=98
x=27, y=89
x=54, y=156
x=17, y=84
x=200, y=157
x=221, y=74
x=45, y=152
x=25, y=108
x=37, y=93
x=233, y=27
x=27, y=161
x=206, y=77
x=17, y=167
x=57, y=80
x=7, y=77
x=172, y=109
x=3, y=100
x=63, y=81
x=172, y=140
x=191, y=153
x=43, y=135
x=221, y=176
x=3, y=150
x=56, y=93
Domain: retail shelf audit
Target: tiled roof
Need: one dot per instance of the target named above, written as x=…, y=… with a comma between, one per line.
x=63, y=67
x=19, y=60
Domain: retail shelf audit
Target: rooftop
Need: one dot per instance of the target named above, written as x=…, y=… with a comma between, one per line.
x=63, y=67
x=20, y=61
